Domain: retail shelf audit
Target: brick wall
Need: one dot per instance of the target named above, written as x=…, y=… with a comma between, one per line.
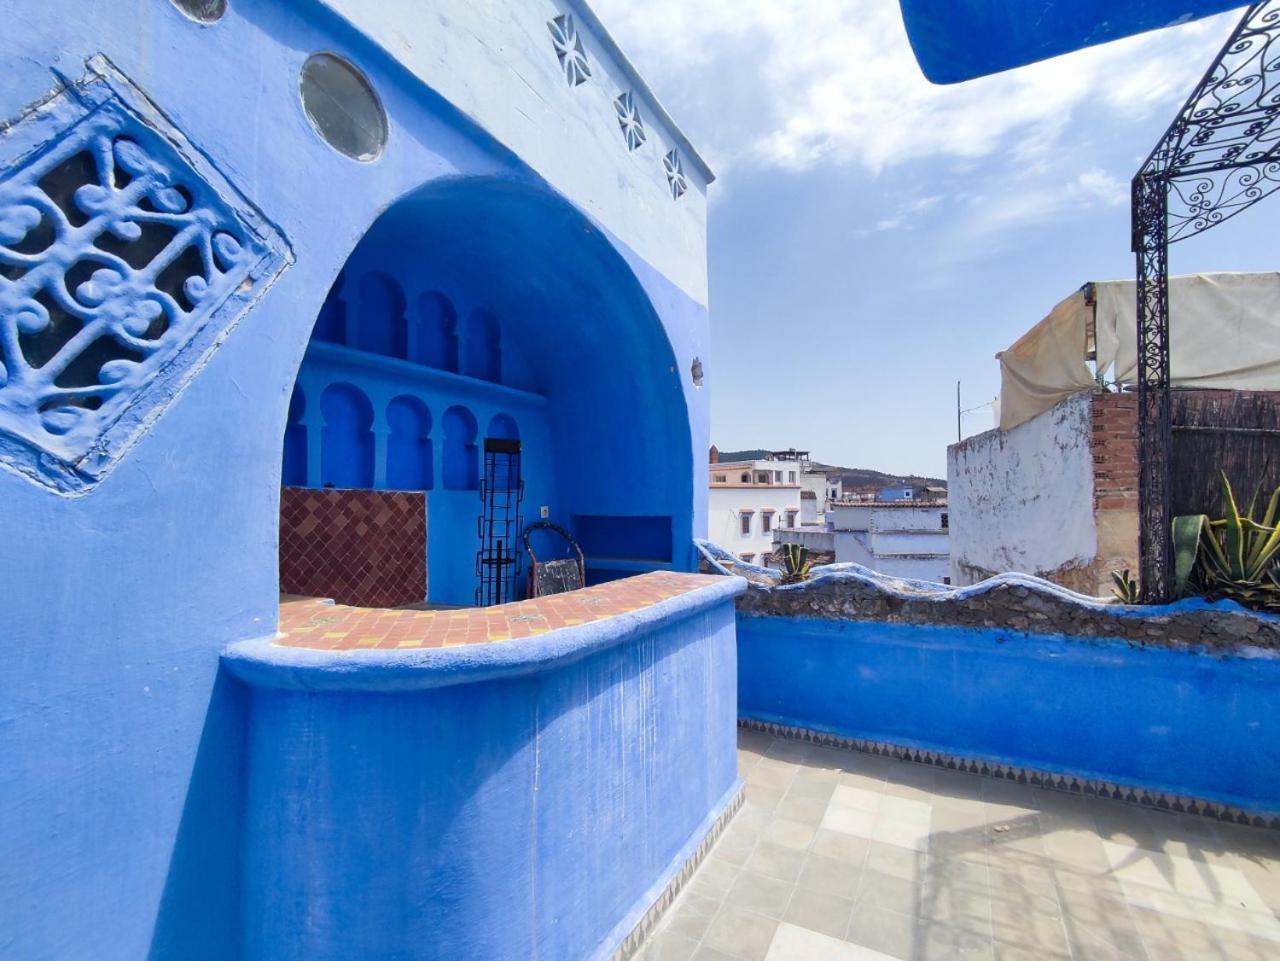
x=360, y=547
x=1114, y=444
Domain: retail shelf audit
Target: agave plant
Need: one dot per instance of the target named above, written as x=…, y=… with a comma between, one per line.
x=1126, y=587
x=1236, y=557
x=795, y=563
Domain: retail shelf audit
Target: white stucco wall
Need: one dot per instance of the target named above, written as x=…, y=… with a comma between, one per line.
x=495, y=60
x=1022, y=500
x=724, y=509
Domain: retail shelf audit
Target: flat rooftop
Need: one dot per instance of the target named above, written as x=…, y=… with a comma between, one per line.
x=841, y=856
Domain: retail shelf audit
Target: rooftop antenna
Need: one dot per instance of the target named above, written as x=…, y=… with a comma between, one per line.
x=958, y=437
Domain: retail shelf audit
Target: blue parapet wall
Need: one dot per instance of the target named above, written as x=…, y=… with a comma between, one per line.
x=503, y=801
x=1183, y=722
x=957, y=40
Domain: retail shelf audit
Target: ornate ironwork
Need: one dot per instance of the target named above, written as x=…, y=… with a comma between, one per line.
x=1220, y=156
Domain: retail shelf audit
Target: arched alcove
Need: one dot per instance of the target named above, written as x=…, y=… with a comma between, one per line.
x=484, y=346
x=294, y=469
x=380, y=325
x=346, y=441
x=331, y=324
x=461, y=456
x=503, y=426
x=436, y=343
x=563, y=349
x=409, y=448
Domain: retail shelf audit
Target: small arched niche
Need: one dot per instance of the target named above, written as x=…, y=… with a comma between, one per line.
x=409, y=454
x=436, y=340
x=331, y=323
x=346, y=441
x=294, y=469
x=381, y=326
x=484, y=346
x=461, y=460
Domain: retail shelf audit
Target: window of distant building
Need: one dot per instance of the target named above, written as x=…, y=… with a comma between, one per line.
x=946, y=580
x=762, y=477
x=946, y=520
x=791, y=477
x=777, y=477
x=748, y=558
x=721, y=478
x=746, y=478
x=791, y=519
x=766, y=520
x=746, y=523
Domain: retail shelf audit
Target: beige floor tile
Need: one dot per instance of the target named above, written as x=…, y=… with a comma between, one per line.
x=790, y=834
x=740, y=935
x=792, y=943
x=850, y=821
x=815, y=790
x=890, y=893
x=906, y=834
x=759, y=895
x=829, y=876
x=849, y=848
x=825, y=913
x=806, y=810
x=881, y=930
x=668, y=946
x=941, y=942
x=857, y=798
x=906, y=863
x=776, y=861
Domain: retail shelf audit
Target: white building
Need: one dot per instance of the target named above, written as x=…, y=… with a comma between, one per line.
x=901, y=539
x=751, y=498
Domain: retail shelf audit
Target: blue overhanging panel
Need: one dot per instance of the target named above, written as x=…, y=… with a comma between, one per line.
x=956, y=40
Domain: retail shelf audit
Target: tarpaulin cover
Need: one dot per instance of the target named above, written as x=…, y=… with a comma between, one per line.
x=957, y=40
x=1224, y=331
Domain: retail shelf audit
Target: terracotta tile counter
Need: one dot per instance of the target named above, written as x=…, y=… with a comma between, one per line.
x=322, y=626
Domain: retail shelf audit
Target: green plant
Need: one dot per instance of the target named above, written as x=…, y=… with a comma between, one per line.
x=1236, y=557
x=1126, y=589
x=795, y=563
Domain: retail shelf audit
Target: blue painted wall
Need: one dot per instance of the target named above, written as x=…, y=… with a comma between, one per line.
x=1187, y=723
x=961, y=39
x=511, y=801
x=119, y=747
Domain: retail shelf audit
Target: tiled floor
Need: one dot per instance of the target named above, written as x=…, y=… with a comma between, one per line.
x=839, y=856
x=320, y=625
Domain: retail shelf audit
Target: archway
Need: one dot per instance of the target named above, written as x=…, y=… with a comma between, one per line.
x=559, y=349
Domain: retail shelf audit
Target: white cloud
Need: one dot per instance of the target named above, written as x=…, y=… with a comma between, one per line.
x=835, y=82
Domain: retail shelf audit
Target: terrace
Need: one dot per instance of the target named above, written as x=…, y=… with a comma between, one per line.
x=840, y=855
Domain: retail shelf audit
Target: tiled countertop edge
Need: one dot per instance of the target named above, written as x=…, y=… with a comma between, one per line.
x=263, y=663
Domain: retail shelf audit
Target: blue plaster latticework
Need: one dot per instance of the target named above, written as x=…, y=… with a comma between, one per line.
x=123, y=258
x=629, y=120
x=569, y=49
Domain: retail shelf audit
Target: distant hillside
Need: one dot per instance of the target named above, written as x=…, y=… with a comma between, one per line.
x=863, y=477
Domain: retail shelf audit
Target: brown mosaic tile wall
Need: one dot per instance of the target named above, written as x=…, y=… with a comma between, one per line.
x=360, y=547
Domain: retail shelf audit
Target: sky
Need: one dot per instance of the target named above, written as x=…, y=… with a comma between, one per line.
x=873, y=238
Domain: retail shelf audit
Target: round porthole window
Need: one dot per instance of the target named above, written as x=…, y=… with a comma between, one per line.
x=342, y=107
x=202, y=11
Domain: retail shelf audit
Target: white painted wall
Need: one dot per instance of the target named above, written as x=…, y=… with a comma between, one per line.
x=895, y=539
x=724, y=510
x=1022, y=500
x=494, y=59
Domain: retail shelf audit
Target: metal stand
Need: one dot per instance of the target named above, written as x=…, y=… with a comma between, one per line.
x=501, y=494
x=1218, y=157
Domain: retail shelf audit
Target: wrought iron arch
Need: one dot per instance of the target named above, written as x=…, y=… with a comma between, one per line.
x=1220, y=156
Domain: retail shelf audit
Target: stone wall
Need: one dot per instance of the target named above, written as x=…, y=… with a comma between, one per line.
x=1015, y=603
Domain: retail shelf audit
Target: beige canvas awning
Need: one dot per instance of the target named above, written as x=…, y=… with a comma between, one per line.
x=1224, y=331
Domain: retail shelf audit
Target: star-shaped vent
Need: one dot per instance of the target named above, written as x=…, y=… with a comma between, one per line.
x=629, y=120
x=569, y=49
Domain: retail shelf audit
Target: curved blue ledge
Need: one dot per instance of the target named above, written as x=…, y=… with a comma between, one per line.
x=265, y=663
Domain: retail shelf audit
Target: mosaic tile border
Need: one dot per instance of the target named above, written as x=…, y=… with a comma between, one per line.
x=1032, y=777
x=640, y=934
